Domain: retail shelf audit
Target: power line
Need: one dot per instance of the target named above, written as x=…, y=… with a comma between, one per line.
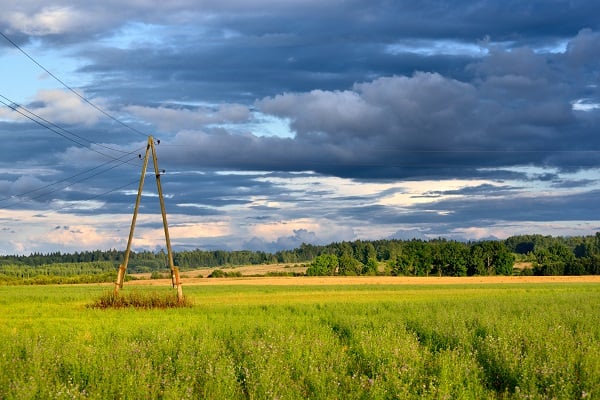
x=55, y=128
x=93, y=197
x=61, y=132
x=71, y=89
x=62, y=187
x=65, y=180
x=78, y=181
x=15, y=107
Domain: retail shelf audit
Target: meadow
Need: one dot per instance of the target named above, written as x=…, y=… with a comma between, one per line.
x=368, y=341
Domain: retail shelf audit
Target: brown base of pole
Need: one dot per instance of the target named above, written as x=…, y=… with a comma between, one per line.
x=177, y=283
x=120, y=278
x=180, y=293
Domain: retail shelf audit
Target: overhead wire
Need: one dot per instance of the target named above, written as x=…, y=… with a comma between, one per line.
x=16, y=107
x=75, y=138
x=66, y=180
x=136, y=181
x=79, y=181
x=76, y=93
x=57, y=129
x=66, y=134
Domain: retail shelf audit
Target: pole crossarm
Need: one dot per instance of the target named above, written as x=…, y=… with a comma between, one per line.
x=150, y=148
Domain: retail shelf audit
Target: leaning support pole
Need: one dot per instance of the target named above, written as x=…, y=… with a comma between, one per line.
x=174, y=270
x=123, y=267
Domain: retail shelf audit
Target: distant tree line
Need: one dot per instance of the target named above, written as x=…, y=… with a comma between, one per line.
x=577, y=255
x=543, y=255
x=540, y=255
x=146, y=261
x=416, y=258
x=57, y=273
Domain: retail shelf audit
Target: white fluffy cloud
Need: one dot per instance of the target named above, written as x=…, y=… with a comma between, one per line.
x=177, y=119
x=56, y=106
x=49, y=20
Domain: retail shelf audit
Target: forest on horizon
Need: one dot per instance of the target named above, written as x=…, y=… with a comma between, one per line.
x=541, y=255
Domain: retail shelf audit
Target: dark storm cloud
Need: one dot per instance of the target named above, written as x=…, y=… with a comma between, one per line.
x=454, y=213
x=555, y=207
x=578, y=183
x=481, y=190
x=374, y=91
x=509, y=20
x=231, y=51
x=517, y=110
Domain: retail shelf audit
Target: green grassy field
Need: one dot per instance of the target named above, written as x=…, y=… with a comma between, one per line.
x=318, y=342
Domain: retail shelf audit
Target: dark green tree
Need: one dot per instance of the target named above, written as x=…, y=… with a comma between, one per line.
x=451, y=258
x=325, y=264
x=349, y=266
x=490, y=258
x=370, y=268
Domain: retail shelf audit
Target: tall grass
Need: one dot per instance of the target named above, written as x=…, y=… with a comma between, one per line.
x=380, y=342
x=140, y=299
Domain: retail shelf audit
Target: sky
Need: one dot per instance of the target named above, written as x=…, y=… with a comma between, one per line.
x=290, y=122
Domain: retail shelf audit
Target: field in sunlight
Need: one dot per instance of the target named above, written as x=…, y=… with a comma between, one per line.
x=326, y=339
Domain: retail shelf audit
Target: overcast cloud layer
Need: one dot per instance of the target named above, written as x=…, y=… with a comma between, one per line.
x=283, y=123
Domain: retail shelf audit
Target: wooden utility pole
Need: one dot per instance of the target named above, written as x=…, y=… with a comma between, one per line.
x=123, y=267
